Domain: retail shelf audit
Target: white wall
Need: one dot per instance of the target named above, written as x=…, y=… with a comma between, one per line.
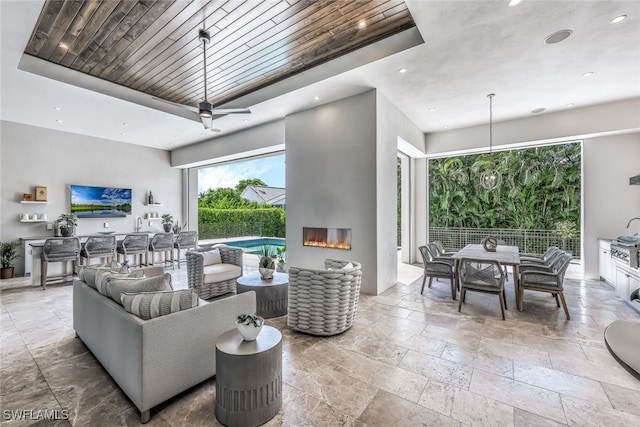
x=32, y=156
x=609, y=201
x=331, y=181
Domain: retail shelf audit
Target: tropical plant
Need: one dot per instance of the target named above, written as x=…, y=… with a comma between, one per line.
x=250, y=319
x=566, y=229
x=540, y=187
x=177, y=228
x=167, y=219
x=267, y=254
x=281, y=252
x=8, y=253
x=67, y=220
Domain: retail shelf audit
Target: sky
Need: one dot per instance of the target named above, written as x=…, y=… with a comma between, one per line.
x=271, y=170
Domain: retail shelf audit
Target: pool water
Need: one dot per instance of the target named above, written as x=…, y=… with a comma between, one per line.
x=254, y=246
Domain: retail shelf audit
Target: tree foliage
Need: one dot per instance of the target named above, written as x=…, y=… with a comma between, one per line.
x=224, y=198
x=540, y=187
x=244, y=183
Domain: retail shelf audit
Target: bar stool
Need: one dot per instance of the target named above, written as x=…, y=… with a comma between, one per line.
x=161, y=242
x=134, y=244
x=59, y=249
x=186, y=240
x=98, y=247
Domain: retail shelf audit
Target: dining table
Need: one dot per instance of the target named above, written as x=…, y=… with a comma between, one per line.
x=505, y=255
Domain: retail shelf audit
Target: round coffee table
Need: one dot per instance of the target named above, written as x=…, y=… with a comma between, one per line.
x=248, y=377
x=272, y=296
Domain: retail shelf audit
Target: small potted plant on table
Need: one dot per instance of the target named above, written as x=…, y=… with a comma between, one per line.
x=266, y=266
x=281, y=252
x=249, y=326
x=68, y=224
x=167, y=222
x=8, y=252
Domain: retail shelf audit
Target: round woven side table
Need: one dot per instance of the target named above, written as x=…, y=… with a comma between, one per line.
x=248, y=377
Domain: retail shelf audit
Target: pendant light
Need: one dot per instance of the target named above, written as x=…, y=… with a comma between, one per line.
x=491, y=179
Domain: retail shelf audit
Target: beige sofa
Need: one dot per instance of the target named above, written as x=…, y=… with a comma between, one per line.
x=154, y=360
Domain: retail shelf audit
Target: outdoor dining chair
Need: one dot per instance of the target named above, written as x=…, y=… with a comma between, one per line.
x=482, y=275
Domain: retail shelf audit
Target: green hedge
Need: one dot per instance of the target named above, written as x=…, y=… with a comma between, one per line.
x=272, y=219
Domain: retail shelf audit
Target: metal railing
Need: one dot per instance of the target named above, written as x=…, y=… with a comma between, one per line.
x=229, y=229
x=528, y=241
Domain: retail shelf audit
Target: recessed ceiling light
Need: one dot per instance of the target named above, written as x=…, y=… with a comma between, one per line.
x=402, y=70
x=362, y=24
x=63, y=46
x=514, y=2
x=432, y=109
x=316, y=98
x=122, y=133
x=588, y=74
x=445, y=127
x=571, y=104
x=538, y=110
x=202, y=133
x=57, y=108
x=558, y=36
x=246, y=120
x=59, y=121
x=618, y=19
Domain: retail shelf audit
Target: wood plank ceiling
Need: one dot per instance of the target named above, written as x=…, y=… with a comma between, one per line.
x=152, y=46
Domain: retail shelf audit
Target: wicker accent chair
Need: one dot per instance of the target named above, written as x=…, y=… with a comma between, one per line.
x=324, y=302
x=211, y=280
x=438, y=267
x=185, y=240
x=161, y=243
x=98, y=247
x=59, y=249
x=482, y=276
x=546, y=279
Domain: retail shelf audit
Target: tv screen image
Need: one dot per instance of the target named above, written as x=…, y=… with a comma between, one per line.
x=100, y=202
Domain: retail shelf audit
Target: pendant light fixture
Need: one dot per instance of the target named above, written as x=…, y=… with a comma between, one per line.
x=491, y=179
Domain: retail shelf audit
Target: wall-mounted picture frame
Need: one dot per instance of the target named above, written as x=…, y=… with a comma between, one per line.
x=41, y=194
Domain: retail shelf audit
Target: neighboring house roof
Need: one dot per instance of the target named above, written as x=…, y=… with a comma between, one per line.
x=263, y=194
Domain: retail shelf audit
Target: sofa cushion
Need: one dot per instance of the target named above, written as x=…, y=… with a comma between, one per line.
x=148, y=305
x=88, y=273
x=115, y=286
x=103, y=275
x=211, y=257
x=220, y=272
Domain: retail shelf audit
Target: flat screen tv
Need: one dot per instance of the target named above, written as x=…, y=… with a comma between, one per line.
x=100, y=202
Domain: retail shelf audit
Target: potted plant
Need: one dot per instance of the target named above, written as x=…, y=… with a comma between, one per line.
x=167, y=222
x=8, y=252
x=266, y=265
x=566, y=230
x=177, y=228
x=280, y=253
x=68, y=224
x=249, y=326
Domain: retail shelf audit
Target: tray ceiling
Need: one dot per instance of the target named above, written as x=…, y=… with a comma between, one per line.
x=152, y=46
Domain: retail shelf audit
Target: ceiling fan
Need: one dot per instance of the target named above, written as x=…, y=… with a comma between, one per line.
x=205, y=109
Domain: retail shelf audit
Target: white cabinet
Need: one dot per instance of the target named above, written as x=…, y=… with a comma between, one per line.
x=626, y=283
x=606, y=264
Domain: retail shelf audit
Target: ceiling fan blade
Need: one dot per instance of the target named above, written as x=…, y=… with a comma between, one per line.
x=231, y=111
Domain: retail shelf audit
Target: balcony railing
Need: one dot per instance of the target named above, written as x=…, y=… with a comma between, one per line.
x=229, y=229
x=528, y=241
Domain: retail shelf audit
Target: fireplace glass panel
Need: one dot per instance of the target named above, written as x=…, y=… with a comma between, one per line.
x=337, y=238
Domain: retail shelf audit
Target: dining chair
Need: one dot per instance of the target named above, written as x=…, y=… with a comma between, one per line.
x=546, y=279
x=482, y=275
x=162, y=243
x=540, y=259
x=134, y=244
x=98, y=247
x=59, y=249
x=437, y=267
x=186, y=240
x=441, y=250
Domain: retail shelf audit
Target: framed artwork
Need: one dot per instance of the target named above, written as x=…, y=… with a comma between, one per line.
x=41, y=194
x=27, y=197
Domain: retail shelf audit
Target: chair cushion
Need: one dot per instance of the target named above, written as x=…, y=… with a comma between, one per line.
x=103, y=275
x=149, y=305
x=89, y=274
x=116, y=286
x=220, y=272
x=212, y=257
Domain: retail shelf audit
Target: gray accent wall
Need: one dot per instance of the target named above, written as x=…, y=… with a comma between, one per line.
x=32, y=156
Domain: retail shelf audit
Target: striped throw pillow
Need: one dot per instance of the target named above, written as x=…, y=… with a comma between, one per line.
x=149, y=305
x=116, y=285
x=102, y=277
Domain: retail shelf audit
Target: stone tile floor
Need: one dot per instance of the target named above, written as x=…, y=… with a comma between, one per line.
x=409, y=360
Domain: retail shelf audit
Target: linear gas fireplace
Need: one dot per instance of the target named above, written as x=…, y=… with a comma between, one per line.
x=337, y=238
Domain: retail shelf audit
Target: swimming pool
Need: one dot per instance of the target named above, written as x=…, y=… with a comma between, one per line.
x=254, y=246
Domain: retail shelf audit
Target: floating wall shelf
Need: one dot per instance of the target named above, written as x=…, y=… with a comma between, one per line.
x=153, y=204
x=31, y=202
x=34, y=220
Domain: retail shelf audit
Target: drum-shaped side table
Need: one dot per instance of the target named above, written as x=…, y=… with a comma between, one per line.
x=248, y=377
x=272, y=296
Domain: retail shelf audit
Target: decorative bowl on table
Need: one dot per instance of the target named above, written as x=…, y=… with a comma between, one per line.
x=249, y=326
